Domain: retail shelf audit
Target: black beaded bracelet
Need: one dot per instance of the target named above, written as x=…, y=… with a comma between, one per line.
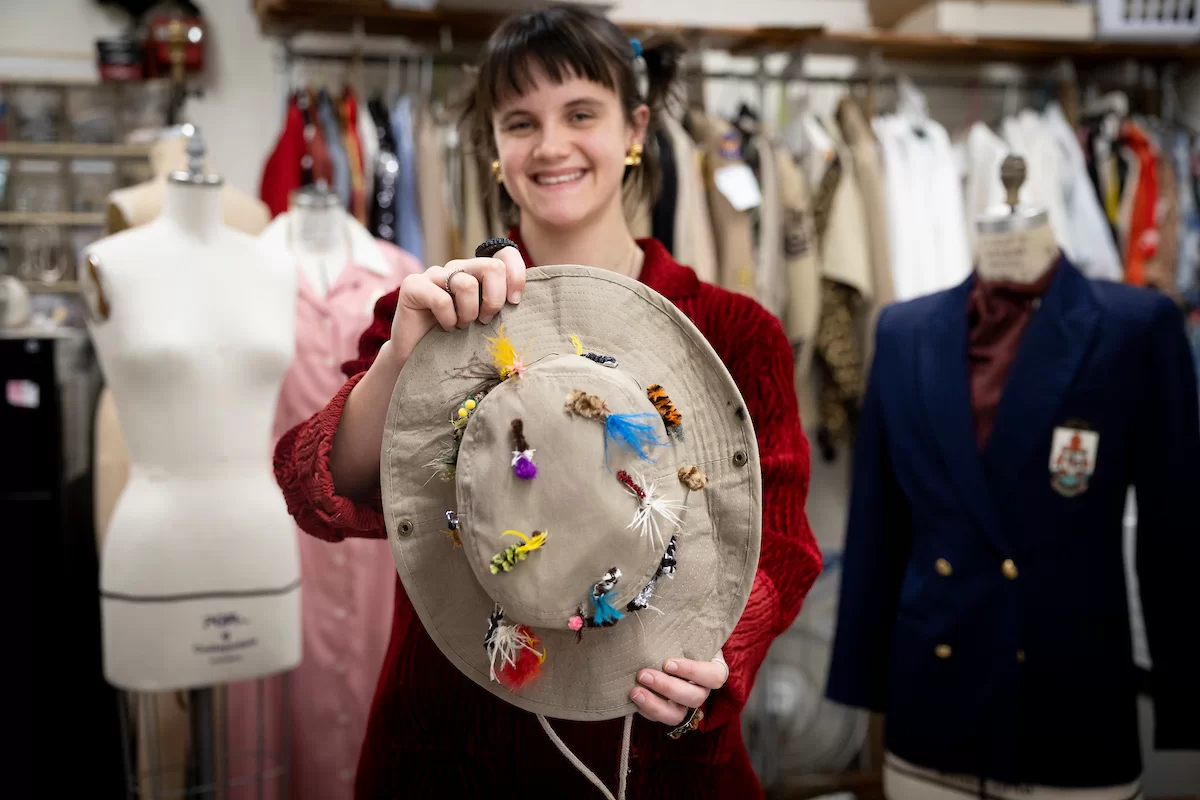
x=493, y=246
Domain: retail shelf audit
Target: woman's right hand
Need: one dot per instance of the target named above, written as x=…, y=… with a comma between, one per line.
x=481, y=286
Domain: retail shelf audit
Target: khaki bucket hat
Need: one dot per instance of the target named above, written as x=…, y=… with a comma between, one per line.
x=572, y=494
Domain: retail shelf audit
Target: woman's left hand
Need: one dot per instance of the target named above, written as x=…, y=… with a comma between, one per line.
x=666, y=695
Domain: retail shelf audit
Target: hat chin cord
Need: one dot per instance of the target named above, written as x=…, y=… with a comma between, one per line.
x=587, y=773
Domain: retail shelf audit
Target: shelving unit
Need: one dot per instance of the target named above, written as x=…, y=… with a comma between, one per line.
x=72, y=150
x=454, y=28
x=52, y=202
x=68, y=218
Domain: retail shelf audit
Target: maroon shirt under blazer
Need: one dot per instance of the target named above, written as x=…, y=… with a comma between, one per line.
x=434, y=733
x=998, y=314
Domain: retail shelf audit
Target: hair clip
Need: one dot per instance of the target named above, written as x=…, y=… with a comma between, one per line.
x=672, y=419
x=513, y=655
x=505, y=560
x=625, y=429
x=693, y=478
x=603, y=612
x=504, y=355
x=522, y=455
x=604, y=361
x=651, y=509
x=665, y=567
x=451, y=529
x=637, y=47
x=445, y=463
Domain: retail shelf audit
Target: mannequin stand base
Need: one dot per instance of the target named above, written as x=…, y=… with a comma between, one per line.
x=177, y=745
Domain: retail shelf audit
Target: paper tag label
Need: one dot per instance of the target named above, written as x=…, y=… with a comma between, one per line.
x=740, y=187
x=1022, y=256
x=23, y=393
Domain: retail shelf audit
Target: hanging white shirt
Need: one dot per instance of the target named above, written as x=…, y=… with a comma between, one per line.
x=926, y=225
x=1092, y=247
x=1028, y=139
x=985, y=153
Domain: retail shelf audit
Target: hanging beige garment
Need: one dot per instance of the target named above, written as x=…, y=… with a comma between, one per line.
x=694, y=245
x=732, y=229
x=770, y=277
x=845, y=292
x=431, y=200
x=475, y=225
x=802, y=270
x=868, y=173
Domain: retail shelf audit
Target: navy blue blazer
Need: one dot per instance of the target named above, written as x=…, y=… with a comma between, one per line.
x=984, y=612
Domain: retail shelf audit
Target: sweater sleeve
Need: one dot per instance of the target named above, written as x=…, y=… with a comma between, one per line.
x=302, y=454
x=789, y=559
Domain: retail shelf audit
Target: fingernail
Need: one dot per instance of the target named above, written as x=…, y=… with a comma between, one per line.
x=672, y=666
x=516, y=298
x=639, y=697
x=484, y=320
x=647, y=678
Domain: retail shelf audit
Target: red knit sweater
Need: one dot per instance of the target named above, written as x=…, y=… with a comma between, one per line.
x=432, y=732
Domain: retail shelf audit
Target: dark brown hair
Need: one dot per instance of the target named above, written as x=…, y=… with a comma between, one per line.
x=563, y=42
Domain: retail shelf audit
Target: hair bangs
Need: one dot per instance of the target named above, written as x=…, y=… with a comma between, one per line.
x=559, y=54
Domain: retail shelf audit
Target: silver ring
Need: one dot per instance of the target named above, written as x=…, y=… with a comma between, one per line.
x=720, y=659
x=449, y=278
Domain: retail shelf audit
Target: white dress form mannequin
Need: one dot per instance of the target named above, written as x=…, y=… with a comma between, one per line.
x=193, y=323
x=1014, y=243
x=318, y=238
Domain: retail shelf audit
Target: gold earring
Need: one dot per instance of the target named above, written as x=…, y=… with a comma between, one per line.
x=496, y=171
x=635, y=155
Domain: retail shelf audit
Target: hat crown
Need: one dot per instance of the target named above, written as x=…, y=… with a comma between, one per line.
x=577, y=499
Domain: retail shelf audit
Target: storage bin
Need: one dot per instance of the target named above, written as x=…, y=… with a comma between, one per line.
x=1148, y=20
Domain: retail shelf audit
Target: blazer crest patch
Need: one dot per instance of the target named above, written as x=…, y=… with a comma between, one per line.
x=1073, y=458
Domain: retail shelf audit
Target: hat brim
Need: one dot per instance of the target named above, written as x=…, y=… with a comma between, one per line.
x=718, y=547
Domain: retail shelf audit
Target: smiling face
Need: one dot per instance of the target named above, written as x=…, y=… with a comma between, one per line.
x=562, y=147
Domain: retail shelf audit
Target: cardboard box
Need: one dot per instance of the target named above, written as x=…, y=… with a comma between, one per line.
x=886, y=13
x=1003, y=19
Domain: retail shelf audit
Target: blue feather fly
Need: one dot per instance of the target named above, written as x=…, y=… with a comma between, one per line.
x=634, y=436
x=604, y=612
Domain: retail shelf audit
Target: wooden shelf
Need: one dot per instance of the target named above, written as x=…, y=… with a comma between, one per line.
x=378, y=18
x=58, y=287
x=900, y=46
x=52, y=218
x=73, y=150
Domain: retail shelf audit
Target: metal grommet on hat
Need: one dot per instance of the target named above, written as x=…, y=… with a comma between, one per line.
x=493, y=246
x=405, y=528
x=740, y=458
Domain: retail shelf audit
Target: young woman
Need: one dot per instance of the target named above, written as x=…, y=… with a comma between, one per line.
x=557, y=106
